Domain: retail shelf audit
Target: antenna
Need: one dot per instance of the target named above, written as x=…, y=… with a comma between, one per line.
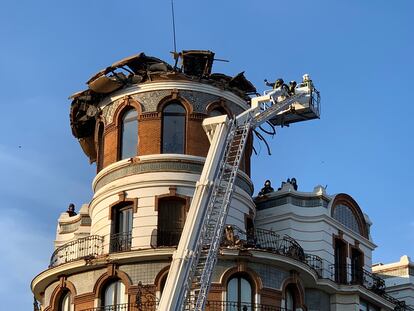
x=173, y=25
x=175, y=54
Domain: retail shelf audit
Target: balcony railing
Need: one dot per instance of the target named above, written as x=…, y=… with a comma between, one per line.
x=270, y=241
x=263, y=239
x=120, y=242
x=239, y=306
x=351, y=275
x=90, y=246
x=210, y=306
x=168, y=237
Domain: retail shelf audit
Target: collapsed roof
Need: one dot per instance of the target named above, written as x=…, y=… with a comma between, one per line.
x=195, y=65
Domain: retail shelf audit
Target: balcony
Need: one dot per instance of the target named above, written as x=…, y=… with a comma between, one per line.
x=286, y=246
x=239, y=306
x=210, y=306
x=350, y=275
x=120, y=242
x=87, y=247
x=167, y=238
x=263, y=239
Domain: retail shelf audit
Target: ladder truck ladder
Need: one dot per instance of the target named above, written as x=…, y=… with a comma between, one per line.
x=215, y=219
x=193, y=262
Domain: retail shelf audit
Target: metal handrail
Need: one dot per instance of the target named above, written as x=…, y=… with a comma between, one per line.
x=210, y=306
x=120, y=242
x=89, y=246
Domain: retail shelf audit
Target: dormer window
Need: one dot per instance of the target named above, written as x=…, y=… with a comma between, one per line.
x=346, y=211
x=345, y=216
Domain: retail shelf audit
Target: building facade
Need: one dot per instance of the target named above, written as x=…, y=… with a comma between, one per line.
x=399, y=279
x=140, y=120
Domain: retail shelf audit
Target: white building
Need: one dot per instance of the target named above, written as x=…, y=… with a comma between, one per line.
x=399, y=279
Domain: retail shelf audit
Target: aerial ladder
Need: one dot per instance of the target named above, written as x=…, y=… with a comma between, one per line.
x=189, y=277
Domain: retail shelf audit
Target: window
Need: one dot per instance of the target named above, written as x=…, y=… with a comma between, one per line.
x=366, y=306
x=340, y=261
x=173, y=128
x=171, y=218
x=240, y=293
x=65, y=304
x=100, y=146
x=290, y=303
x=218, y=111
x=122, y=228
x=129, y=134
x=345, y=216
x=356, y=266
x=114, y=296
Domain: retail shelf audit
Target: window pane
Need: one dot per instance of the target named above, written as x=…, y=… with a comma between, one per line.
x=129, y=136
x=173, y=129
x=217, y=112
x=120, y=293
x=125, y=224
x=245, y=291
x=232, y=289
x=345, y=215
x=100, y=146
x=363, y=306
x=289, y=300
x=114, y=294
x=109, y=298
x=171, y=218
x=65, y=304
x=174, y=108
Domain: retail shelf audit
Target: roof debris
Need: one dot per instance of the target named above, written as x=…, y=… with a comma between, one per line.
x=196, y=65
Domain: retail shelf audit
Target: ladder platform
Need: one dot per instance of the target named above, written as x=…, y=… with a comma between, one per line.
x=305, y=108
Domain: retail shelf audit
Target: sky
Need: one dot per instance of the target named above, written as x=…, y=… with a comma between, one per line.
x=360, y=55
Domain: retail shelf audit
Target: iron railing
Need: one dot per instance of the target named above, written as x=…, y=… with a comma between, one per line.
x=117, y=307
x=316, y=263
x=210, y=306
x=120, y=242
x=239, y=306
x=263, y=239
x=168, y=237
x=89, y=246
x=271, y=241
x=352, y=275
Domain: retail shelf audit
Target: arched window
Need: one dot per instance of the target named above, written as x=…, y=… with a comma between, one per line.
x=240, y=293
x=129, y=134
x=217, y=111
x=162, y=283
x=171, y=218
x=121, y=236
x=290, y=302
x=114, y=295
x=64, y=304
x=173, y=128
x=100, y=157
x=346, y=216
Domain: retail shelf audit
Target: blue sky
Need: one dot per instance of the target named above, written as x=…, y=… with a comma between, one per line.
x=359, y=54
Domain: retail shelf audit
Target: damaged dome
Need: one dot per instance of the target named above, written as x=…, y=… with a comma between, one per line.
x=195, y=65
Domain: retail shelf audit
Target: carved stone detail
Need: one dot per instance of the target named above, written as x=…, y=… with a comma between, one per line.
x=109, y=111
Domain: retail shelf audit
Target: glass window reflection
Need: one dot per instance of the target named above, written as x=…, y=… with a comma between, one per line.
x=129, y=134
x=173, y=128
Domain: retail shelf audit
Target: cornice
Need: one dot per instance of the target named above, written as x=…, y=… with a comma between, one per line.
x=175, y=85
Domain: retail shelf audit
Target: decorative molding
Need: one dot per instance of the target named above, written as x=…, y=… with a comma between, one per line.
x=140, y=167
x=294, y=200
x=122, y=199
x=172, y=194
